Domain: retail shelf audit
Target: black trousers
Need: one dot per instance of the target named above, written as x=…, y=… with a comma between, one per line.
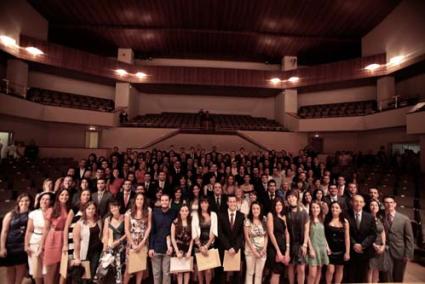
x=397, y=272
x=357, y=270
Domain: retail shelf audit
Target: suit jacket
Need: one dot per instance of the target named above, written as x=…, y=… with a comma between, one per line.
x=340, y=199
x=214, y=206
x=151, y=189
x=102, y=206
x=168, y=188
x=400, y=236
x=230, y=237
x=267, y=203
x=120, y=198
x=365, y=235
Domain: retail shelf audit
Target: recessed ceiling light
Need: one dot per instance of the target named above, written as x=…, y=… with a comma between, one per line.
x=294, y=79
x=8, y=41
x=34, y=50
x=140, y=75
x=121, y=72
x=275, y=81
x=372, y=67
x=396, y=60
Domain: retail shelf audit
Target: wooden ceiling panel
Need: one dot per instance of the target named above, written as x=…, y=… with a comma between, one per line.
x=258, y=30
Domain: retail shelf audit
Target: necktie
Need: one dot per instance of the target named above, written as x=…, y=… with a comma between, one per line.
x=232, y=220
x=390, y=219
x=99, y=196
x=358, y=220
x=218, y=201
x=271, y=196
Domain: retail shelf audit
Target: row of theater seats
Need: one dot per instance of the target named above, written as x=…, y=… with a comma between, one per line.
x=213, y=122
x=49, y=97
x=340, y=109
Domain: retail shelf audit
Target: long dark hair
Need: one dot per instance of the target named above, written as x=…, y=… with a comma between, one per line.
x=15, y=210
x=179, y=222
x=251, y=216
x=275, y=201
x=144, y=207
x=201, y=218
x=320, y=217
x=341, y=217
x=84, y=214
x=57, y=207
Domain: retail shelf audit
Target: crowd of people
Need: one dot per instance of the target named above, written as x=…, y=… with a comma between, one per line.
x=282, y=216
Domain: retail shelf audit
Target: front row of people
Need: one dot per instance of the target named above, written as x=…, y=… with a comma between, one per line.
x=287, y=238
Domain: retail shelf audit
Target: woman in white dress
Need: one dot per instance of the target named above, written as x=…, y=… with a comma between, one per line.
x=34, y=234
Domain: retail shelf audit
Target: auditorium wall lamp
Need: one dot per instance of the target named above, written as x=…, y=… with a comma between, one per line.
x=293, y=79
x=121, y=72
x=34, y=51
x=8, y=41
x=372, y=67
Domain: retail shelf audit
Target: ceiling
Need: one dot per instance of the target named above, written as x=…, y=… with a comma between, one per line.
x=253, y=30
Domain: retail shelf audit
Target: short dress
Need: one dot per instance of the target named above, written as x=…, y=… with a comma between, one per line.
x=378, y=261
x=183, y=236
x=279, y=228
x=16, y=254
x=54, y=240
x=204, y=237
x=38, y=221
x=336, y=241
x=296, y=223
x=318, y=241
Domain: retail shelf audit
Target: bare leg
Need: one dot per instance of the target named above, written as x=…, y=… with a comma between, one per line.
x=186, y=277
x=139, y=277
x=375, y=276
x=318, y=275
x=180, y=278
x=301, y=273
x=201, y=277
x=51, y=273
x=126, y=277
x=208, y=276
x=291, y=273
x=339, y=273
x=275, y=278
x=38, y=280
x=312, y=273
x=11, y=274
x=330, y=273
x=20, y=273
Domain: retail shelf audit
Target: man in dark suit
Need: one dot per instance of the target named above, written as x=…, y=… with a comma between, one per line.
x=334, y=197
x=230, y=236
x=102, y=198
x=400, y=240
x=82, y=168
x=213, y=172
x=267, y=197
x=150, y=186
x=125, y=197
x=176, y=173
x=218, y=201
x=362, y=236
x=164, y=185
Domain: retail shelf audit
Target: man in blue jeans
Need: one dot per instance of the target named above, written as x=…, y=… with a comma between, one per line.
x=159, y=249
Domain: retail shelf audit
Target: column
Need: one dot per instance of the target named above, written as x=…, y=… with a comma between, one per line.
x=17, y=76
x=286, y=102
x=386, y=91
x=422, y=157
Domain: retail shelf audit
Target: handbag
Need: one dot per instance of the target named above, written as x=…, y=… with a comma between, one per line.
x=178, y=265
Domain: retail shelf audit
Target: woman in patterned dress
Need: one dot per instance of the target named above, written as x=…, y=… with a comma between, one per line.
x=137, y=229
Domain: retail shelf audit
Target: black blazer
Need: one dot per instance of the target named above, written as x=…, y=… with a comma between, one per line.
x=103, y=205
x=120, y=198
x=151, y=189
x=365, y=235
x=214, y=206
x=227, y=237
x=168, y=188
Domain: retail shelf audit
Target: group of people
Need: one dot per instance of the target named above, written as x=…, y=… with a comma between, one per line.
x=282, y=216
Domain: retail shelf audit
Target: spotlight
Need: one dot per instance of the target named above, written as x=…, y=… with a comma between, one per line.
x=121, y=72
x=275, y=81
x=140, y=75
x=372, y=67
x=294, y=79
x=8, y=41
x=396, y=60
x=34, y=51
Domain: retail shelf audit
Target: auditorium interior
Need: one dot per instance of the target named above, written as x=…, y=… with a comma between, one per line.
x=344, y=80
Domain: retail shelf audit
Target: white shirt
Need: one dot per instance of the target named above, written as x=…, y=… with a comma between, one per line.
x=38, y=221
x=230, y=216
x=358, y=215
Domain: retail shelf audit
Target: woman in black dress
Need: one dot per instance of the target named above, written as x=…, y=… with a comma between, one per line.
x=204, y=232
x=278, y=248
x=337, y=232
x=12, y=240
x=181, y=238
